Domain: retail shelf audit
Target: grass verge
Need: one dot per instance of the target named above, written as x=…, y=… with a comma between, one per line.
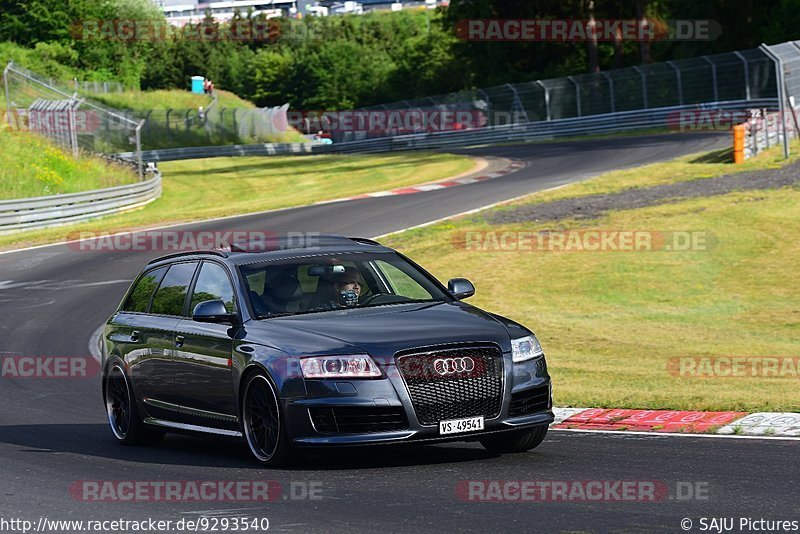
x=32, y=166
x=218, y=187
x=683, y=169
x=165, y=99
x=613, y=323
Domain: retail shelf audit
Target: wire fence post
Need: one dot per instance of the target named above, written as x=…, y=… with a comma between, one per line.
x=746, y=75
x=74, y=102
x=8, y=95
x=577, y=94
x=678, y=78
x=644, y=86
x=139, y=148
x=610, y=80
x=779, y=75
x=517, y=104
x=713, y=77
x=546, y=98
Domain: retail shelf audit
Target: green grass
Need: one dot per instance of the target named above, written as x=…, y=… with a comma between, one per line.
x=172, y=98
x=686, y=168
x=220, y=130
x=32, y=166
x=216, y=187
x=611, y=321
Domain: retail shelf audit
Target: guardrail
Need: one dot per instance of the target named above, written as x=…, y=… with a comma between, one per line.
x=55, y=210
x=765, y=130
x=264, y=149
x=620, y=122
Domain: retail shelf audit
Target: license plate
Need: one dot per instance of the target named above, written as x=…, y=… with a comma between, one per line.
x=456, y=426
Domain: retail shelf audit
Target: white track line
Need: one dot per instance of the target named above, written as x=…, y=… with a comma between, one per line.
x=94, y=347
x=470, y=212
x=512, y=167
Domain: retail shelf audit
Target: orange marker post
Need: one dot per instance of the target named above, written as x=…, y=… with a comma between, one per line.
x=738, y=143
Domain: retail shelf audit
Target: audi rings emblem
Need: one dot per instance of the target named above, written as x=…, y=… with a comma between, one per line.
x=449, y=366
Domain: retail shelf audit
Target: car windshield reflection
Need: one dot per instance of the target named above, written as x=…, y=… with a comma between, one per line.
x=336, y=282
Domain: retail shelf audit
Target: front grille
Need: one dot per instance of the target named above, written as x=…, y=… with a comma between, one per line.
x=357, y=420
x=529, y=401
x=440, y=391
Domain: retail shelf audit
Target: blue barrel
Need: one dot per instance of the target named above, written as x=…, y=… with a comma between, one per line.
x=197, y=84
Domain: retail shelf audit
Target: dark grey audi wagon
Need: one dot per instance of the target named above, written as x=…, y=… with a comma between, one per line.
x=339, y=342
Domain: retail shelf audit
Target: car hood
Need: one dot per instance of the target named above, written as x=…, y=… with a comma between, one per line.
x=384, y=330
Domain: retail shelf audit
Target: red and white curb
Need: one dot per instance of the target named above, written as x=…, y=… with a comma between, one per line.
x=765, y=424
x=514, y=166
x=678, y=422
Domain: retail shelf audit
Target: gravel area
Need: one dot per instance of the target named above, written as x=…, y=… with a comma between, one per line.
x=592, y=206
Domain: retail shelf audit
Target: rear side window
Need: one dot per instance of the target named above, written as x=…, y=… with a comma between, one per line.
x=213, y=284
x=171, y=294
x=139, y=298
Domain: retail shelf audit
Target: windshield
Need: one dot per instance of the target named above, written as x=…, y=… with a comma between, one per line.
x=331, y=282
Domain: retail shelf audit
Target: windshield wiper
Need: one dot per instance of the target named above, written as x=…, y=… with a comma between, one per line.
x=409, y=301
x=273, y=315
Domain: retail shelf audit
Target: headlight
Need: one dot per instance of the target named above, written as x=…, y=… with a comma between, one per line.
x=357, y=366
x=525, y=348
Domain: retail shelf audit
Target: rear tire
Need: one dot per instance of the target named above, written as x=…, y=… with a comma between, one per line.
x=123, y=415
x=514, y=442
x=262, y=423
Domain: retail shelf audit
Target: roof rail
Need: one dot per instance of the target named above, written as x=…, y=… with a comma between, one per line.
x=220, y=253
x=365, y=241
x=284, y=243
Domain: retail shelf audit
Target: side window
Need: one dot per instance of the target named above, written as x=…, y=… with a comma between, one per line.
x=171, y=293
x=213, y=284
x=402, y=283
x=257, y=281
x=307, y=282
x=139, y=298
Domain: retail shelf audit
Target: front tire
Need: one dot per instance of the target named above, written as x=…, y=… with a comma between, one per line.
x=514, y=442
x=262, y=424
x=123, y=416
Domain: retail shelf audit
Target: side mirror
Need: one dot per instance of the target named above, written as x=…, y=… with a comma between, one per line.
x=460, y=288
x=213, y=311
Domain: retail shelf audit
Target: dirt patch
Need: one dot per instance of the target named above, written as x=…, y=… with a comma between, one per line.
x=593, y=206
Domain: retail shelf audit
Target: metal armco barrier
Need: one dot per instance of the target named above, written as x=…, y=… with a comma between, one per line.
x=620, y=122
x=175, y=154
x=767, y=78
x=55, y=210
x=766, y=130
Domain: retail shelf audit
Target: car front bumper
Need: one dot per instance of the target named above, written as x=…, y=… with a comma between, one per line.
x=428, y=434
x=391, y=393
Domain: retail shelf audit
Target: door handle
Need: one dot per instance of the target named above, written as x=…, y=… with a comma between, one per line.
x=179, y=341
x=135, y=336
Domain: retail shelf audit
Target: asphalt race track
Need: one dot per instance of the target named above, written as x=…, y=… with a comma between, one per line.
x=53, y=432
